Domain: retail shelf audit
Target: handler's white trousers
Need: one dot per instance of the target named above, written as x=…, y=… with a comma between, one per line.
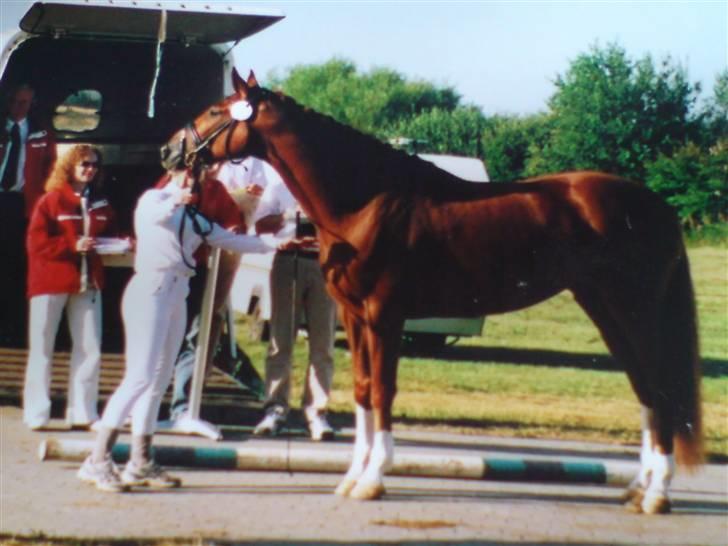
x=83, y=312
x=155, y=316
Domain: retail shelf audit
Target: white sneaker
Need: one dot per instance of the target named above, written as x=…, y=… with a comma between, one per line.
x=149, y=475
x=272, y=423
x=103, y=475
x=319, y=427
x=36, y=424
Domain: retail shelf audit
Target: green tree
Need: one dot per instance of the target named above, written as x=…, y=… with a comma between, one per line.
x=372, y=102
x=613, y=114
x=694, y=181
x=508, y=142
x=715, y=116
x=455, y=132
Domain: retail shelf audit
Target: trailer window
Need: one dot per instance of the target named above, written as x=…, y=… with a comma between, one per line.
x=121, y=72
x=79, y=113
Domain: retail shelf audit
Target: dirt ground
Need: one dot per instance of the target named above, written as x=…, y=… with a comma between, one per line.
x=44, y=501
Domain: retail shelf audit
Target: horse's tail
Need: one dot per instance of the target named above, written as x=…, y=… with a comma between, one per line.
x=680, y=356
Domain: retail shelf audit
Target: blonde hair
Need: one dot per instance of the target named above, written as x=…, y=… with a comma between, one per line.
x=64, y=166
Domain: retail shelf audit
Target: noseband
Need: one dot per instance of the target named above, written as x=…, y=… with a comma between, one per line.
x=199, y=151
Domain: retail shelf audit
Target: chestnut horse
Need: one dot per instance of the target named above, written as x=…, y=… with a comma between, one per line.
x=403, y=239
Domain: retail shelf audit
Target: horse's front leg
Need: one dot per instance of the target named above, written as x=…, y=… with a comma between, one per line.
x=363, y=442
x=383, y=344
x=364, y=432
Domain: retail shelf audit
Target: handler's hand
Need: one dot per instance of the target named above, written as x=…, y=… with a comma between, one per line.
x=186, y=197
x=84, y=244
x=254, y=189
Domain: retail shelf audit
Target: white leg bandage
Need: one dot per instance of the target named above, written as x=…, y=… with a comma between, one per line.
x=362, y=444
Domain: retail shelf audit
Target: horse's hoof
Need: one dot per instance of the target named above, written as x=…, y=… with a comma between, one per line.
x=367, y=491
x=656, y=504
x=345, y=487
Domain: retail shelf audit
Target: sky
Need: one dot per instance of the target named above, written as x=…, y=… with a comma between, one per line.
x=501, y=56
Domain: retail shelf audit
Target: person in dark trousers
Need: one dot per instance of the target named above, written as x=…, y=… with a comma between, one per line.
x=27, y=155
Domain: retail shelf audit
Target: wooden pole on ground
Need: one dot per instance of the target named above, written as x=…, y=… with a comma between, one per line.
x=287, y=457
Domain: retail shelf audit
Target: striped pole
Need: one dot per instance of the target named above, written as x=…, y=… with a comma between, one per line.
x=300, y=458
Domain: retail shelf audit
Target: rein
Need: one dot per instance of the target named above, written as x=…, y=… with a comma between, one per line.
x=193, y=213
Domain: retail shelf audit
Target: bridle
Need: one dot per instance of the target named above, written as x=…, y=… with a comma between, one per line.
x=193, y=153
x=194, y=149
x=198, y=151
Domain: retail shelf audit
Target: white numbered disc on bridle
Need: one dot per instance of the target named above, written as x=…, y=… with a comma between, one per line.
x=241, y=110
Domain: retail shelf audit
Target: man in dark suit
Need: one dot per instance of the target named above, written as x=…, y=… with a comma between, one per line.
x=27, y=154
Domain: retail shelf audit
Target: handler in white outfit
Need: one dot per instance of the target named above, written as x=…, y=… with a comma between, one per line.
x=154, y=314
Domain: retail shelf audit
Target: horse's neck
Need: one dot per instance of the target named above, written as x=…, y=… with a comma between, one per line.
x=301, y=177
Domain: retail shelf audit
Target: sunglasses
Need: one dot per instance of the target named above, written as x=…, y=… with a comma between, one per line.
x=89, y=164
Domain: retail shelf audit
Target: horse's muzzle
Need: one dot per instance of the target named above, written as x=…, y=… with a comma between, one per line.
x=173, y=156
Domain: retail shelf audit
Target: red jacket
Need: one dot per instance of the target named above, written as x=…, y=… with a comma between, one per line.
x=54, y=264
x=217, y=205
x=40, y=154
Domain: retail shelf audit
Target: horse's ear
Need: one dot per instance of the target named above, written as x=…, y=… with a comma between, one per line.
x=252, y=80
x=241, y=88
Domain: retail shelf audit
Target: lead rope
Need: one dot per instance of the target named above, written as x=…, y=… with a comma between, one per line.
x=161, y=37
x=194, y=214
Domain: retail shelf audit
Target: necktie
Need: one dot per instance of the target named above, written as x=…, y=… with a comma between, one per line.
x=11, y=166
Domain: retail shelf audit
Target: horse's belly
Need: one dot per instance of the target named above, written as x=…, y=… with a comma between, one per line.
x=452, y=292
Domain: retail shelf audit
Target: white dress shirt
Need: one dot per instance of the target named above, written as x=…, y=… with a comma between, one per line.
x=236, y=176
x=277, y=199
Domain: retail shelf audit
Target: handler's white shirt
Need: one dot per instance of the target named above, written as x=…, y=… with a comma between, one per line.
x=157, y=220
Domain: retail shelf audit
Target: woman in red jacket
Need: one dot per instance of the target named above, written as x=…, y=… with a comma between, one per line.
x=65, y=272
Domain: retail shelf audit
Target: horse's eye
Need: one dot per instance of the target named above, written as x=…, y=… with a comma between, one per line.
x=215, y=112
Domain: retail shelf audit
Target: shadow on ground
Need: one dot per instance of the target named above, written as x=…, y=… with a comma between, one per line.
x=712, y=367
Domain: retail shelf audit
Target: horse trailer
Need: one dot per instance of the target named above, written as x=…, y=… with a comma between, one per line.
x=115, y=74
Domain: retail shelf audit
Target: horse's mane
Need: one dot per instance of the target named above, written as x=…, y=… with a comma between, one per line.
x=359, y=166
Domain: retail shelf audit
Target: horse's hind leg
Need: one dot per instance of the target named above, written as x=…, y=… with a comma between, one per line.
x=654, y=462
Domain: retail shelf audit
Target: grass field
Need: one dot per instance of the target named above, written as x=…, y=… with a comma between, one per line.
x=544, y=372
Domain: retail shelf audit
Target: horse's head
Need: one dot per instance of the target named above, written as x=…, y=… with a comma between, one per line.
x=224, y=131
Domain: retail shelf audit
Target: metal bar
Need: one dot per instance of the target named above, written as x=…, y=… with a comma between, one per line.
x=203, y=337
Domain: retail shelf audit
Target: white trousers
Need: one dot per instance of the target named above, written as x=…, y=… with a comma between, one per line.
x=155, y=316
x=83, y=312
